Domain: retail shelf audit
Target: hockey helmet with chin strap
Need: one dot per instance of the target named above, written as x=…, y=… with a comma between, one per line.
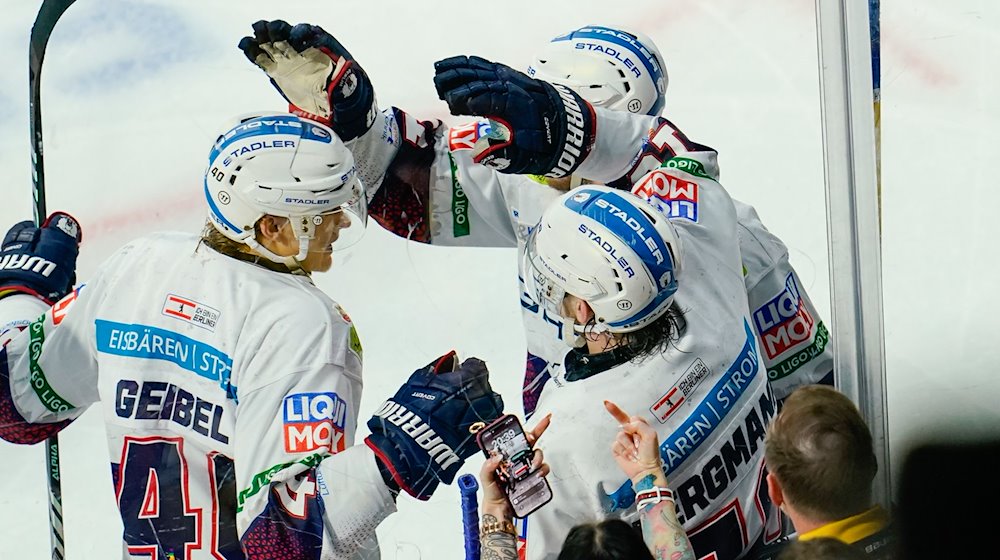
x=610, y=67
x=609, y=248
x=278, y=164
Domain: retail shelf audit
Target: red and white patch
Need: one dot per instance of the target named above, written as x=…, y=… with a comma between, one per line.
x=464, y=137
x=343, y=314
x=675, y=197
x=669, y=402
x=190, y=311
x=61, y=308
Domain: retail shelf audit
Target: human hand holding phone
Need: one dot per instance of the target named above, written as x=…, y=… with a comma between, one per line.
x=512, y=477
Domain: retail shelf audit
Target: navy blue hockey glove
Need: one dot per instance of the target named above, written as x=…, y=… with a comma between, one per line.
x=41, y=261
x=315, y=74
x=536, y=127
x=421, y=435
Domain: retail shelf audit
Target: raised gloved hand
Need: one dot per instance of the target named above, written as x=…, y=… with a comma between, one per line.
x=421, y=435
x=41, y=261
x=315, y=74
x=536, y=127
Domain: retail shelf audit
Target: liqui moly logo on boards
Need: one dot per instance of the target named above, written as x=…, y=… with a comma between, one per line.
x=784, y=321
x=314, y=421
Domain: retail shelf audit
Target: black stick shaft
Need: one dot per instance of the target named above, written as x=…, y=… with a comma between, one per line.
x=45, y=22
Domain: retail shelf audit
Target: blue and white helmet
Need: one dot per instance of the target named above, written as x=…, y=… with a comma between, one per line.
x=281, y=165
x=609, y=248
x=609, y=67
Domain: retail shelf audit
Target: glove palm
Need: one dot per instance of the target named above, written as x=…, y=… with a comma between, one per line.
x=315, y=73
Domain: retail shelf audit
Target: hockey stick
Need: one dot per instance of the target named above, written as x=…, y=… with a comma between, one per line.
x=468, y=486
x=48, y=15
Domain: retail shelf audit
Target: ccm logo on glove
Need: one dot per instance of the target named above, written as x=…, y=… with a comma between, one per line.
x=413, y=426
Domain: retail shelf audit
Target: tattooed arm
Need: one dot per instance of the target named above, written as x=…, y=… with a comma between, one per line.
x=664, y=534
x=497, y=546
x=636, y=450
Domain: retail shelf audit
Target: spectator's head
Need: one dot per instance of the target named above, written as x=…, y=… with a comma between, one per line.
x=824, y=548
x=612, y=539
x=819, y=457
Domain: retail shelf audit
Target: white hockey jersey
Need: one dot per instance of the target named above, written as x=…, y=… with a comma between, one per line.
x=230, y=411
x=707, y=396
x=425, y=187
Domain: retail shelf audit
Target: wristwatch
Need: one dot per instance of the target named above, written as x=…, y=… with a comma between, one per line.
x=502, y=526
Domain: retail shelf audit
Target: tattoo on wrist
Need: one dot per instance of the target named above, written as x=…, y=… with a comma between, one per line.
x=497, y=546
x=645, y=483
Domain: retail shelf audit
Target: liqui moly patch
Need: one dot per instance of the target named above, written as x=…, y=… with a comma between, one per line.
x=313, y=421
x=190, y=311
x=784, y=321
x=675, y=197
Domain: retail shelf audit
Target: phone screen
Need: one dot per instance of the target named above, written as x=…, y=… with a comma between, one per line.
x=526, y=489
x=510, y=442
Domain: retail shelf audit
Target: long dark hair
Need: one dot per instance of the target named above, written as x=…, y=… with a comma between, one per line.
x=612, y=539
x=651, y=340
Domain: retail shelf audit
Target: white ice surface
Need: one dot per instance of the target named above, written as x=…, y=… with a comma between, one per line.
x=135, y=90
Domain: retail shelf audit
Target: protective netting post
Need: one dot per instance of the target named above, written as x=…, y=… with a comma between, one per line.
x=849, y=141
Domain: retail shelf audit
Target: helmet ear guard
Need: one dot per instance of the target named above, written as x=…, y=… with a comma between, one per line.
x=611, y=249
x=281, y=165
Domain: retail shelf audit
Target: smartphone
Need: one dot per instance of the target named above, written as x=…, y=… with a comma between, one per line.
x=526, y=489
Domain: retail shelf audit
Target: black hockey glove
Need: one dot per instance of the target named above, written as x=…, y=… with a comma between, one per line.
x=536, y=127
x=41, y=261
x=315, y=74
x=421, y=435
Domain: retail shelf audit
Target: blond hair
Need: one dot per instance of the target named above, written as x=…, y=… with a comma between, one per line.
x=215, y=240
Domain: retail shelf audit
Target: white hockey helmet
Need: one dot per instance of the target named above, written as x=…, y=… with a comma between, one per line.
x=283, y=165
x=609, y=248
x=609, y=67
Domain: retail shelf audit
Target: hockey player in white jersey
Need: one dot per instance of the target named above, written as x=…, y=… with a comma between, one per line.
x=229, y=382
x=660, y=306
x=429, y=187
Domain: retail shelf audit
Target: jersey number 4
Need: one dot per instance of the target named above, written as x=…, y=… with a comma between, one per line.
x=161, y=521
